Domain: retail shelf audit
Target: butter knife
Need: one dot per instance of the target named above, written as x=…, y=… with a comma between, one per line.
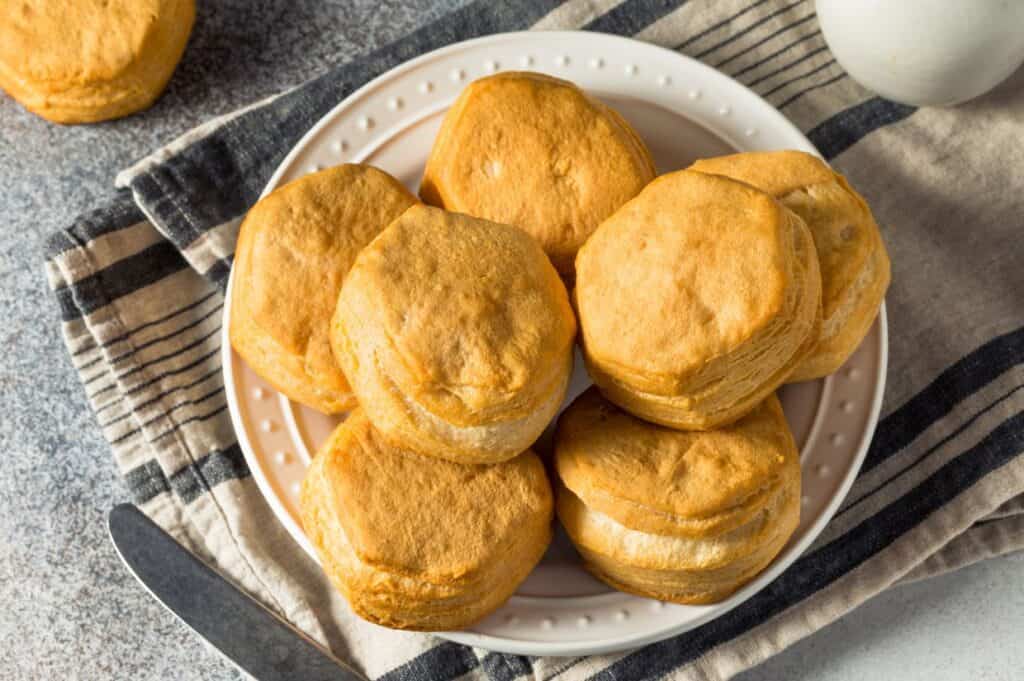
x=254, y=639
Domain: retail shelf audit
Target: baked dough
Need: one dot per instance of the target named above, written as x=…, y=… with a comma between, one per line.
x=681, y=516
x=855, y=269
x=696, y=300
x=417, y=543
x=90, y=60
x=294, y=248
x=456, y=334
x=536, y=152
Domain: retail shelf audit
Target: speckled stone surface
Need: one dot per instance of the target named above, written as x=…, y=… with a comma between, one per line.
x=68, y=610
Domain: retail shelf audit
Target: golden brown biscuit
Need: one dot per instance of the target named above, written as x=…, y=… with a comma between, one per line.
x=696, y=300
x=417, y=543
x=854, y=263
x=456, y=334
x=681, y=516
x=90, y=60
x=294, y=248
x=536, y=152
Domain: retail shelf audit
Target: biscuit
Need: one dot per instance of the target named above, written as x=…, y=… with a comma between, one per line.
x=294, y=248
x=855, y=270
x=681, y=516
x=456, y=335
x=696, y=300
x=417, y=543
x=536, y=152
x=90, y=60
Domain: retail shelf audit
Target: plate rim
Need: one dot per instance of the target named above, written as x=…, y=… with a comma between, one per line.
x=593, y=646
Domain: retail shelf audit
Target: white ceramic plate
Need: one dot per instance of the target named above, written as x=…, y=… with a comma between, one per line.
x=684, y=110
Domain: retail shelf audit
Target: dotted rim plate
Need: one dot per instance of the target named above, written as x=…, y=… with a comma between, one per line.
x=684, y=110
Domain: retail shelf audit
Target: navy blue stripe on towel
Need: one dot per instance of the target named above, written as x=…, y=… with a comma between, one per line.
x=961, y=380
x=213, y=373
x=849, y=504
x=207, y=472
x=811, y=88
x=782, y=50
x=502, y=667
x=742, y=32
x=145, y=384
x=161, y=339
x=714, y=27
x=840, y=132
x=168, y=356
x=632, y=16
x=201, y=417
x=166, y=413
x=121, y=278
x=124, y=336
x=765, y=39
x=146, y=481
x=119, y=213
x=444, y=661
x=793, y=79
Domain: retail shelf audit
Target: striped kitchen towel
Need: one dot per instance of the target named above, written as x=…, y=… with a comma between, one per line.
x=138, y=282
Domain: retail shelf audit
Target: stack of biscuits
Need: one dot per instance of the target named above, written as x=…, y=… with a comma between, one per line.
x=445, y=329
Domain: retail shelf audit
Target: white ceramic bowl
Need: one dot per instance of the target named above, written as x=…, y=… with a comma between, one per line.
x=925, y=52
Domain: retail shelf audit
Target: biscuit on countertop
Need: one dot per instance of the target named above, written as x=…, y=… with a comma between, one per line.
x=90, y=60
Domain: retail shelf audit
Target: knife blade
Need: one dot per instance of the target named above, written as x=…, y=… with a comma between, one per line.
x=254, y=639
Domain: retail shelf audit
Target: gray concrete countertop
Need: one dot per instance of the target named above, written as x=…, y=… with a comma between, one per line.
x=68, y=610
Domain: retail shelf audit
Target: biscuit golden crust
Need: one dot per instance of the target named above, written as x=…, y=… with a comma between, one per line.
x=536, y=152
x=683, y=516
x=295, y=247
x=417, y=543
x=669, y=582
x=456, y=334
x=90, y=60
x=655, y=479
x=855, y=269
x=696, y=300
